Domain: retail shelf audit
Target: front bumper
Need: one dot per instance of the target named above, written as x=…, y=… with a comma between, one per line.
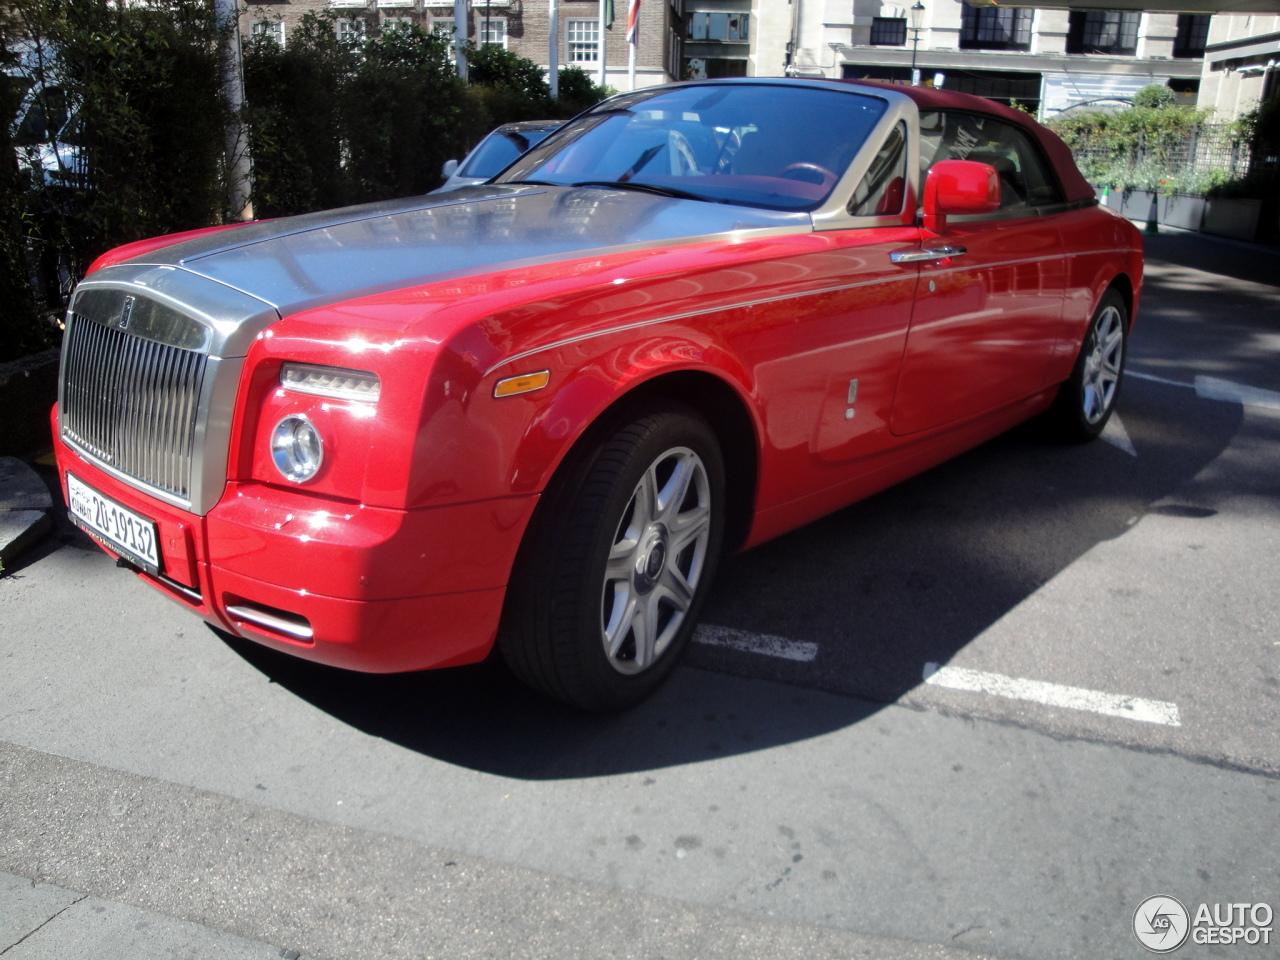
x=364, y=588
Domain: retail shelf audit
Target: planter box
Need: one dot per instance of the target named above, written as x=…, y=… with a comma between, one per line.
x=1180, y=210
x=1233, y=218
x=1135, y=204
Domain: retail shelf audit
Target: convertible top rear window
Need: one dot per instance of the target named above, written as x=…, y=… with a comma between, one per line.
x=781, y=148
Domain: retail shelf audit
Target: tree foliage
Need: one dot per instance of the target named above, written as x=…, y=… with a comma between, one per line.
x=20, y=331
x=1154, y=96
x=333, y=123
x=139, y=91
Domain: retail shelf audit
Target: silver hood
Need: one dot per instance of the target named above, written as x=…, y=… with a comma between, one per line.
x=318, y=258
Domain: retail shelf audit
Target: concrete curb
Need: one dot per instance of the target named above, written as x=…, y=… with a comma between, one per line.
x=24, y=508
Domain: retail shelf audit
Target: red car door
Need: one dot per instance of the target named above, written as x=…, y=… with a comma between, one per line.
x=989, y=304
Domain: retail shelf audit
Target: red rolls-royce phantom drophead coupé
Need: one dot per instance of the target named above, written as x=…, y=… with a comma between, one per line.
x=534, y=412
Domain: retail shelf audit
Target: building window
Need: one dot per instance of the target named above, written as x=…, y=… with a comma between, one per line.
x=352, y=30
x=442, y=25
x=582, y=41
x=493, y=31
x=1112, y=32
x=270, y=29
x=1193, y=34
x=727, y=27
x=995, y=28
x=390, y=24
x=889, y=31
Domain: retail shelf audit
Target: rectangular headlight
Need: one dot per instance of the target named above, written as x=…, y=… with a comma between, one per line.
x=335, y=382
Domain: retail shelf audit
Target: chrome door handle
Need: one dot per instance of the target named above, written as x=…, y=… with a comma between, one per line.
x=932, y=253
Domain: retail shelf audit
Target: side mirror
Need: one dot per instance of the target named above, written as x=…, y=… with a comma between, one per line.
x=449, y=169
x=959, y=187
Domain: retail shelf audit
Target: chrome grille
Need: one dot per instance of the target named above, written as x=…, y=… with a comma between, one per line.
x=130, y=401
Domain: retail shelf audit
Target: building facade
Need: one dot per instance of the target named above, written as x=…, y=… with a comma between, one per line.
x=1047, y=60
x=1241, y=64
x=522, y=26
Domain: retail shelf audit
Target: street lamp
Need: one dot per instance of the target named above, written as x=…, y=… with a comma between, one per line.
x=917, y=18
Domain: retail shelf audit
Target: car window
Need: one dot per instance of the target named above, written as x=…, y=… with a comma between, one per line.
x=1025, y=178
x=752, y=144
x=45, y=116
x=497, y=151
x=883, y=187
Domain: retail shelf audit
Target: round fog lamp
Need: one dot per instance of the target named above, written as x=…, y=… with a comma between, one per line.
x=296, y=449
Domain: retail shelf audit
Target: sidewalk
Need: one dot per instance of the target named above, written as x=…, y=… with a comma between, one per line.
x=1255, y=262
x=39, y=921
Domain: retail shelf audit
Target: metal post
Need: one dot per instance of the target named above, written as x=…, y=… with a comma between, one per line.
x=554, y=51
x=917, y=14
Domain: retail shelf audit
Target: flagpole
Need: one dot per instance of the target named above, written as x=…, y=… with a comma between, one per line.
x=633, y=41
x=600, y=28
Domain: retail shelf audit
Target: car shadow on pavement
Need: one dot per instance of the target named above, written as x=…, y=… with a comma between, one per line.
x=907, y=577
x=482, y=718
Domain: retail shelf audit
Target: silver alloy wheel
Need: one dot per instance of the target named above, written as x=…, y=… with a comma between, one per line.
x=656, y=561
x=1102, y=365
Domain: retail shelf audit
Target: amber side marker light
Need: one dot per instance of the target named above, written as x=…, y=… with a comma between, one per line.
x=525, y=383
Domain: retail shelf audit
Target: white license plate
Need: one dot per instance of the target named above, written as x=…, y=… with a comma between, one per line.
x=129, y=534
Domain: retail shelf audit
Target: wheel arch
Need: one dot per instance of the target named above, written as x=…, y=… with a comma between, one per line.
x=1123, y=285
x=728, y=416
x=725, y=411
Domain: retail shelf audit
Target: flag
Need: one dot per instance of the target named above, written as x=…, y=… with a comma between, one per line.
x=608, y=14
x=633, y=22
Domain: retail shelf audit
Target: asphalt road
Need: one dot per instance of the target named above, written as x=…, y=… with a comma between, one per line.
x=798, y=790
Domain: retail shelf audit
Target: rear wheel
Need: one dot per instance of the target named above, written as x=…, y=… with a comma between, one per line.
x=617, y=562
x=1086, y=400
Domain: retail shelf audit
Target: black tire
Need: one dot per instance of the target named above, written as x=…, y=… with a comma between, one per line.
x=607, y=562
x=1086, y=400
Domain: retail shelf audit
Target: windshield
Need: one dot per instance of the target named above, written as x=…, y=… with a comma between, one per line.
x=499, y=149
x=759, y=145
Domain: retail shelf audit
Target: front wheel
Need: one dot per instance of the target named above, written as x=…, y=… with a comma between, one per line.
x=617, y=561
x=1086, y=400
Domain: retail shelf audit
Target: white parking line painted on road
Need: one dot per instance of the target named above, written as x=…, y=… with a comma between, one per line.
x=1053, y=694
x=1154, y=379
x=761, y=643
x=1211, y=388
x=1115, y=434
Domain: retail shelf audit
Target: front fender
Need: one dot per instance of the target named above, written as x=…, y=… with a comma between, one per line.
x=592, y=383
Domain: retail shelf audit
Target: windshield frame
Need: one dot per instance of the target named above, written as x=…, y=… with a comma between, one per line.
x=832, y=204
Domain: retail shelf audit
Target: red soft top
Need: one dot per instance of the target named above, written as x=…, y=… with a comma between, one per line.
x=1074, y=185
